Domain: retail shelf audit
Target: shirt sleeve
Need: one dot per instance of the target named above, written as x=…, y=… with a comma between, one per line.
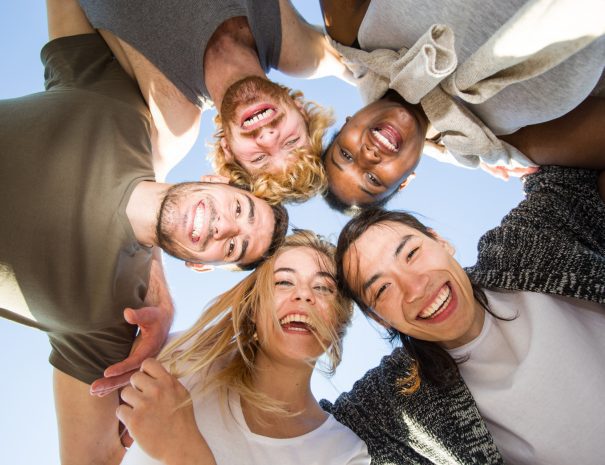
x=86, y=356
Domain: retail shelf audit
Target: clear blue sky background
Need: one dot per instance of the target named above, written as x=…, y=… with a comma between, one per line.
x=460, y=204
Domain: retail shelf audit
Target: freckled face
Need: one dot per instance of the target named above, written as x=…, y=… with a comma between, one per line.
x=416, y=287
x=263, y=126
x=374, y=152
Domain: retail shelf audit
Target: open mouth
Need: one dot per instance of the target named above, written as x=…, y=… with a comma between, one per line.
x=198, y=222
x=387, y=137
x=442, y=300
x=297, y=323
x=257, y=116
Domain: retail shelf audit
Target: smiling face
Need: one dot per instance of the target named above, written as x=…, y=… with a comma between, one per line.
x=375, y=152
x=416, y=287
x=304, y=296
x=214, y=223
x=263, y=126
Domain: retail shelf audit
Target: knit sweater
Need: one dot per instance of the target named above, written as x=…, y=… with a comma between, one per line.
x=552, y=242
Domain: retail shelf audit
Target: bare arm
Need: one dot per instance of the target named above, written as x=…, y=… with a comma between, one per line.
x=155, y=416
x=576, y=139
x=305, y=50
x=343, y=18
x=88, y=427
x=66, y=18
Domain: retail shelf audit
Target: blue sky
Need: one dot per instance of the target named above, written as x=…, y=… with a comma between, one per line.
x=460, y=204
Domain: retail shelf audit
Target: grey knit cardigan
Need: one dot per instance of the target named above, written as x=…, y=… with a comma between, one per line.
x=552, y=242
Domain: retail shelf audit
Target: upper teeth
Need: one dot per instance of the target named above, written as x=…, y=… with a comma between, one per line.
x=197, y=223
x=296, y=317
x=439, y=304
x=258, y=117
x=383, y=140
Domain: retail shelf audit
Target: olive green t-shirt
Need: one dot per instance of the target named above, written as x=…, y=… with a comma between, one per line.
x=70, y=158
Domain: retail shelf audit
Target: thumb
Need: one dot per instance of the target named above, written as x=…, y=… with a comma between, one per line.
x=142, y=316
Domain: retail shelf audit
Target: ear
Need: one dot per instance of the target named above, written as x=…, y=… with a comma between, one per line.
x=407, y=180
x=214, y=178
x=199, y=267
x=226, y=150
x=445, y=244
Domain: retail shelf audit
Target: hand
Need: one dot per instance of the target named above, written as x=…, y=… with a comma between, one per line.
x=504, y=173
x=153, y=323
x=154, y=414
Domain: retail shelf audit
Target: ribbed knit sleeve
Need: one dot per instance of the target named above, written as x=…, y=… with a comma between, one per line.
x=552, y=242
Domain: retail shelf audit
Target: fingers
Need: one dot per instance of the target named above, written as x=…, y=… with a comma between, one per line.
x=102, y=387
x=154, y=368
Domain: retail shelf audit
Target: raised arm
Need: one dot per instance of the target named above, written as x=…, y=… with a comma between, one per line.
x=306, y=52
x=343, y=18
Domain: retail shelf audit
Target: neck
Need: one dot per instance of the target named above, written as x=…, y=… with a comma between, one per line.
x=143, y=209
x=230, y=56
x=474, y=329
x=290, y=385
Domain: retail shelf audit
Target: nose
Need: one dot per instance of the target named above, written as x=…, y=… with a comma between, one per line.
x=369, y=154
x=303, y=292
x=413, y=285
x=267, y=137
x=224, y=228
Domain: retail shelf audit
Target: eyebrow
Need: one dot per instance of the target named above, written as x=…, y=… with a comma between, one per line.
x=400, y=246
x=243, y=251
x=251, y=209
x=334, y=161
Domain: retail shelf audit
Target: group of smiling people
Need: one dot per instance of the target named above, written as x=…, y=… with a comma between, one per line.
x=499, y=362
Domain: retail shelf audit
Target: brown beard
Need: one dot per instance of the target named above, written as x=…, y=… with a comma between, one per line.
x=247, y=91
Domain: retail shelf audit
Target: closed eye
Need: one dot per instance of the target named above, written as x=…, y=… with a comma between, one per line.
x=324, y=289
x=283, y=283
x=380, y=292
x=412, y=253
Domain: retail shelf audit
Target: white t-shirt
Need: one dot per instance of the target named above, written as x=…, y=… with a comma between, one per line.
x=232, y=442
x=539, y=380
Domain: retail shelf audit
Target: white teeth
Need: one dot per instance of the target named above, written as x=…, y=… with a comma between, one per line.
x=298, y=318
x=197, y=223
x=383, y=140
x=258, y=117
x=438, y=305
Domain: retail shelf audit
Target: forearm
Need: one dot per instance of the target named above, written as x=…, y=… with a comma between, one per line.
x=158, y=293
x=576, y=139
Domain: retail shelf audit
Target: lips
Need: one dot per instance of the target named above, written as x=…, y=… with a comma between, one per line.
x=257, y=115
x=387, y=137
x=438, y=305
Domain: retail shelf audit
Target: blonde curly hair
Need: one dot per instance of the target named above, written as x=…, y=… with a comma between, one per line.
x=303, y=179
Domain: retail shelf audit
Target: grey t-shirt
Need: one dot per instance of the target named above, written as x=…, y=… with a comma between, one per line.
x=70, y=158
x=394, y=24
x=173, y=35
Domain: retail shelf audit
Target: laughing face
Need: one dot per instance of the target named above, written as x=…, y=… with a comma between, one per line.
x=375, y=152
x=263, y=126
x=304, y=296
x=417, y=287
x=214, y=223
